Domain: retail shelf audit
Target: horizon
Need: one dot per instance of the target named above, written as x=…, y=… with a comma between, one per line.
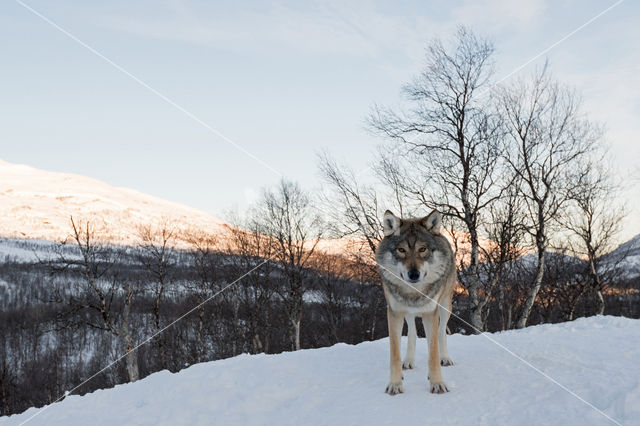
x=268, y=75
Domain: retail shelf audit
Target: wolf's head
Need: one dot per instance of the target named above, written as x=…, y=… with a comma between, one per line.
x=413, y=249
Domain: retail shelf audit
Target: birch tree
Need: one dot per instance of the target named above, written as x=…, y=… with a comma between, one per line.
x=444, y=150
x=96, y=287
x=287, y=216
x=595, y=220
x=155, y=256
x=548, y=139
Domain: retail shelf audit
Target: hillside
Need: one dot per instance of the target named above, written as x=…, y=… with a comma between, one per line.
x=594, y=357
x=37, y=204
x=627, y=257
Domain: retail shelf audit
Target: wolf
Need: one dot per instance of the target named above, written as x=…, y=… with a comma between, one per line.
x=417, y=267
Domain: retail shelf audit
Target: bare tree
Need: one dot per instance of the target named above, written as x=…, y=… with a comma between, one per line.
x=548, y=138
x=564, y=284
x=94, y=263
x=450, y=141
x=155, y=256
x=595, y=221
x=132, y=360
x=505, y=232
x=249, y=245
x=288, y=218
x=353, y=208
x=355, y=211
x=204, y=257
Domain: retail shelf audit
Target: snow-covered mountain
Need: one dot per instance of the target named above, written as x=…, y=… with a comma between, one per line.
x=596, y=358
x=38, y=204
x=627, y=257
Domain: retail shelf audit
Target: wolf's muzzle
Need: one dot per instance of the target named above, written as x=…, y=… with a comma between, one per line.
x=414, y=275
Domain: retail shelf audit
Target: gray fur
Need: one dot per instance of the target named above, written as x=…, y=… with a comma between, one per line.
x=418, y=273
x=411, y=231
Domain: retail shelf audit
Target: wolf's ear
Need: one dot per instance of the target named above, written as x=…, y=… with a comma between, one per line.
x=433, y=222
x=390, y=223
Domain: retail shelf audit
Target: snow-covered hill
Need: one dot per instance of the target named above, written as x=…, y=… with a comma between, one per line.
x=597, y=358
x=37, y=204
x=627, y=257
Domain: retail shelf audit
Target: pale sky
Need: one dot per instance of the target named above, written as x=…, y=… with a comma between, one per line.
x=280, y=79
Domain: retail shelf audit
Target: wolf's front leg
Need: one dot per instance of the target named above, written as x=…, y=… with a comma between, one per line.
x=443, y=315
x=409, y=362
x=436, y=383
x=395, y=321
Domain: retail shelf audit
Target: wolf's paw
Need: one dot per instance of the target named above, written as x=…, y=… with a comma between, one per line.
x=409, y=364
x=446, y=361
x=394, y=388
x=438, y=387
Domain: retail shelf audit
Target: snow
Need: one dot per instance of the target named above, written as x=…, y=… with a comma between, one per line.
x=597, y=358
x=24, y=250
x=341, y=246
x=38, y=204
x=626, y=257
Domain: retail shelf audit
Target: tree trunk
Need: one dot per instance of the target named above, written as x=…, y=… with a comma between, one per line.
x=200, y=336
x=501, y=307
x=572, y=310
x=267, y=335
x=533, y=292
x=296, y=334
x=295, y=312
x=469, y=280
x=131, y=358
x=257, y=344
x=238, y=334
x=595, y=276
x=159, y=339
x=475, y=312
x=472, y=277
x=600, y=300
x=374, y=319
x=298, y=322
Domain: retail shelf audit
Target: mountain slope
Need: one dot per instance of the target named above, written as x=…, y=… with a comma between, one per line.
x=38, y=204
x=594, y=357
x=627, y=257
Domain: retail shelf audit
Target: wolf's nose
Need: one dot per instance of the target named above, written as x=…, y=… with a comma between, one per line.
x=414, y=274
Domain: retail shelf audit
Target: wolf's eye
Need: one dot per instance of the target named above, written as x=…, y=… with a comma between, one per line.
x=400, y=250
x=422, y=249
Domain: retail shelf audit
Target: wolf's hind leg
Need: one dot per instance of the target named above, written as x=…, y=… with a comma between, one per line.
x=410, y=357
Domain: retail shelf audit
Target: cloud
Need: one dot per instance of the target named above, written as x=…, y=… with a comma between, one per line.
x=358, y=28
x=500, y=14
x=341, y=28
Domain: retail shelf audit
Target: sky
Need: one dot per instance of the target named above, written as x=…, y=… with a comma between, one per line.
x=204, y=103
